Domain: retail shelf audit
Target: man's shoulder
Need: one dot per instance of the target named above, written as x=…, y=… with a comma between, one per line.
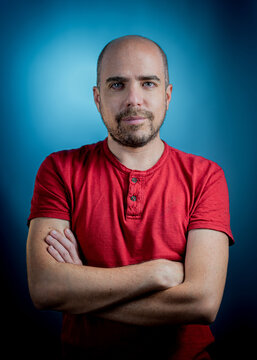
x=75, y=155
x=192, y=161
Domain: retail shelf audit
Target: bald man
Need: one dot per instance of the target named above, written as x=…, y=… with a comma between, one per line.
x=129, y=237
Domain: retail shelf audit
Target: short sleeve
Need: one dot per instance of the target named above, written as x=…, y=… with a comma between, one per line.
x=211, y=210
x=50, y=197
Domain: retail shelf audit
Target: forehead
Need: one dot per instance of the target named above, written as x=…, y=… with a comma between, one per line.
x=132, y=58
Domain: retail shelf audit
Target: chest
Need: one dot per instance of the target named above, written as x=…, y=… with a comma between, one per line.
x=122, y=219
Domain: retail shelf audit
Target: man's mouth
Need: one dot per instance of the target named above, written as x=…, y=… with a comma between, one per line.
x=134, y=120
x=134, y=116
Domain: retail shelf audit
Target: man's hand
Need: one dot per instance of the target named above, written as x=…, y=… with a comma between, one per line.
x=63, y=248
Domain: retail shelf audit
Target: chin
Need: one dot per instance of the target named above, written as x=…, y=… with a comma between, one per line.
x=134, y=141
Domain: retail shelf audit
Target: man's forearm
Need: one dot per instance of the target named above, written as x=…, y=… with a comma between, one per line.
x=196, y=300
x=59, y=285
x=178, y=305
x=82, y=289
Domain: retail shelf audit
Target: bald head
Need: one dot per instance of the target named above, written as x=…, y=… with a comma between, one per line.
x=125, y=40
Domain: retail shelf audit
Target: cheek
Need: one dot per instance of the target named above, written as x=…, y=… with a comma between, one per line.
x=160, y=106
x=157, y=100
x=110, y=106
x=108, y=114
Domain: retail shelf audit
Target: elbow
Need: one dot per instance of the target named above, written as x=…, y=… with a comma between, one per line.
x=39, y=298
x=49, y=296
x=39, y=304
x=208, y=316
x=209, y=307
x=202, y=303
x=42, y=296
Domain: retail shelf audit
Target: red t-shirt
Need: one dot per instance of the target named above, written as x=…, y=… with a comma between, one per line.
x=122, y=216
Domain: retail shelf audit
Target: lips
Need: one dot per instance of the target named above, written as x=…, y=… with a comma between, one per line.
x=134, y=116
x=133, y=120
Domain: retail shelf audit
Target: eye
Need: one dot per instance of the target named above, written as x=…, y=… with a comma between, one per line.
x=149, y=84
x=116, y=86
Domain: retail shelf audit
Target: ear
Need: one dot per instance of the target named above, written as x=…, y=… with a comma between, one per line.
x=96, y=93
x=168, y=95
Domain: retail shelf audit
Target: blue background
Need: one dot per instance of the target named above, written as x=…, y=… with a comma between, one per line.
x=48, y=60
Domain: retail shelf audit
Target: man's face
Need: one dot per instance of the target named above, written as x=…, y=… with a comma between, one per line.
x=132, y=99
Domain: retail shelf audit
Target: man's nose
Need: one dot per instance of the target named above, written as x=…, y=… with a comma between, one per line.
x=134, y=95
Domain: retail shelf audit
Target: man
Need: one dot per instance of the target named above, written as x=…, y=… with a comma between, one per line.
x=129, y=237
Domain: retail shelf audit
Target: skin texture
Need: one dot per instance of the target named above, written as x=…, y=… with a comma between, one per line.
x=132, y=100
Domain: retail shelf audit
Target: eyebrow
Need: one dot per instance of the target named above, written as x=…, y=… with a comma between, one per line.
x=141, y=78
x=149, y=77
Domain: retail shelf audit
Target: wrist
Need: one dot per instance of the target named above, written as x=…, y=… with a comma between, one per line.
x=167, y=273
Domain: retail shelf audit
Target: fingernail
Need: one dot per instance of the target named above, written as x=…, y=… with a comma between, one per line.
x=53, y=232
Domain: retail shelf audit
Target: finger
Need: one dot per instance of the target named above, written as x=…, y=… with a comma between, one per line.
x=63, y=239
x=55, y=254
x=60, y=248
x=69, y=234
x=75, y=255
x=70, y=247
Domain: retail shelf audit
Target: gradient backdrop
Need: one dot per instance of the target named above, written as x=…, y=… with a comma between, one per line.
x=48, y=60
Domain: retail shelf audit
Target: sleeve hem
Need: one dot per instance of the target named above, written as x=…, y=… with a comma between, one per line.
x=55, y=215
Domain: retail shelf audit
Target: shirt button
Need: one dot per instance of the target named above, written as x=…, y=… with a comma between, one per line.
x=133, y=198
x=134, y=180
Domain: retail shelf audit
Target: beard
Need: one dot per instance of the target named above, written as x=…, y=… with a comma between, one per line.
x=135, y=135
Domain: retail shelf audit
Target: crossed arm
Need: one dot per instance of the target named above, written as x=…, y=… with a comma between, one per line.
x=151, y=293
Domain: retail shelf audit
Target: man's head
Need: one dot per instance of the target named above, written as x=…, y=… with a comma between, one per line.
x=133, y=91
x=135, y=37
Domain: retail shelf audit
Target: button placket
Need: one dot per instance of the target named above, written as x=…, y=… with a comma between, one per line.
x=134, y=196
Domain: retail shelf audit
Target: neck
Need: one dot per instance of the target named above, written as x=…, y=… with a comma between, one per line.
x=141, y=158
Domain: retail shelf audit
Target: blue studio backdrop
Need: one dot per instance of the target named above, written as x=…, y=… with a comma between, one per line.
x=49, y=51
